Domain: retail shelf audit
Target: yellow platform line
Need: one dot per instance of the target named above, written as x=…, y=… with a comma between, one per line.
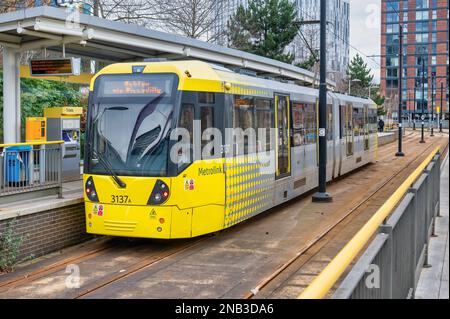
x=31, y=144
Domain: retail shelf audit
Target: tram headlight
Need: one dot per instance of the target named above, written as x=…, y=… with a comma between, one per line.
x=90, y=190
x=159, y=194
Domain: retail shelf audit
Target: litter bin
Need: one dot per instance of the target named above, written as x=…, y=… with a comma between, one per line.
x=17, y=159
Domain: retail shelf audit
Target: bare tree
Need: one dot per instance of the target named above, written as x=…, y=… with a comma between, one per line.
x=192, y=18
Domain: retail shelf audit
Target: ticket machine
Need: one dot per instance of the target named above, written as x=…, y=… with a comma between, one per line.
x=36, y=129
x=63, y=123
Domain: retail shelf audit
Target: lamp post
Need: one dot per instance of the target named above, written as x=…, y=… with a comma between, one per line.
x=321, y=195
x=432, y=105
x=422, y=116
x=400, y=91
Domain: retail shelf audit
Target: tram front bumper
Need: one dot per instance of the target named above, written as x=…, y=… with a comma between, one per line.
x=128, y=220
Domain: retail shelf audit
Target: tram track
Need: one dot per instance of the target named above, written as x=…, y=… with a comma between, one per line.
x=313, y=247
x=138, y=266
x=57, y=266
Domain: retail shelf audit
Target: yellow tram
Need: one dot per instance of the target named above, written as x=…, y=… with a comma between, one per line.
x=135, y=183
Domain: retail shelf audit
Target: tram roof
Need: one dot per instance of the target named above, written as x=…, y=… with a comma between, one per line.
x=112, y=41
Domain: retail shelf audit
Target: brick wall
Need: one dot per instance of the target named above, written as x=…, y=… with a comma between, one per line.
x=48, y=231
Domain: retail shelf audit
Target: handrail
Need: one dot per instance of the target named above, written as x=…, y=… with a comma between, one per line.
x=332, y=272
x=31, y=144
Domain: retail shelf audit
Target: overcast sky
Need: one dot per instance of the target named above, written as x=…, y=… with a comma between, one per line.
x=365, y=16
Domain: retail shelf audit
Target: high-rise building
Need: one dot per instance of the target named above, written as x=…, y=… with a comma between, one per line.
x=425, y=54
x=338, y=13
x=338, y=33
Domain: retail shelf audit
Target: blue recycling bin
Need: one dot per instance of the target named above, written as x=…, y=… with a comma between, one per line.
x=16, y=164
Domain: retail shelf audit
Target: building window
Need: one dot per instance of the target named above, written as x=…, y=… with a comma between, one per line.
x=421, y=4
x=421, y=15
x=392, y=17
x=421, y=37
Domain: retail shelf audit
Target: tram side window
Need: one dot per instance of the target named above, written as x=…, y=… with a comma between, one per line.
x=304, y=123
x=372, y=121
x=244, y=118
x=264, y=119
x=348, y=129
x=310, y=123
x=358, y=121
x=206, y=121
x=341, y=121
x=298, y=124
x=329, y=122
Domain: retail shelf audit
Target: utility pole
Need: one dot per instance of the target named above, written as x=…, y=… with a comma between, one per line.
x=440, y=108
x=321, y=195
x=432, y=105
x=400, y=91
x=422, y=116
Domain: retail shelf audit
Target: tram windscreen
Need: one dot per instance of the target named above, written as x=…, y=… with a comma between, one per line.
x=130, y=120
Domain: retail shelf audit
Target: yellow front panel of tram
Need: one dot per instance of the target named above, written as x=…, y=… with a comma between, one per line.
x=195, y=205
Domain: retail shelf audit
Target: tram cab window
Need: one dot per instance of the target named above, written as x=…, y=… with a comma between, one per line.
x=206, y=122
x=263, y=120
x=206, y=98
x=186, y=121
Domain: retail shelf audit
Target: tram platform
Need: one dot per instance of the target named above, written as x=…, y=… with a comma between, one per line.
x=433, y=282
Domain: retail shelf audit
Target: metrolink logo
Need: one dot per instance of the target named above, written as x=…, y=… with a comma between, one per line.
x=210, y=171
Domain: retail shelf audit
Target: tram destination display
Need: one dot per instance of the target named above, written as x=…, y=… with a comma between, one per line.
x=55, y=67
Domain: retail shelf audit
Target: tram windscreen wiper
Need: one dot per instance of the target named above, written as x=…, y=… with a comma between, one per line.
x=107, y=165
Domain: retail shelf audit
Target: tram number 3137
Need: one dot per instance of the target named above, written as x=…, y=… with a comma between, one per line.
x=120, y=199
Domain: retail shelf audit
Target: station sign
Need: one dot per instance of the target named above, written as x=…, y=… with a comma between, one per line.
x=55, y=67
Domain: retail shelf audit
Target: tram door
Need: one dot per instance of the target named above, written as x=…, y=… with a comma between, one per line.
x=282, y=138
x=366, y=127
x=348, y=129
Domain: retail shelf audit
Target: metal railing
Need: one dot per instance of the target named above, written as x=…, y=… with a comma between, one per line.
x=391, y=265
x=30, y=170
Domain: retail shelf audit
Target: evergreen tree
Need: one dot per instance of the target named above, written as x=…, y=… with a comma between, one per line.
x=309, y=63
x=358, y=70
x=265, y=28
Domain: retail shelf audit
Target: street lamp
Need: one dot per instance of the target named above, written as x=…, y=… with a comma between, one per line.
x=400, y=91
x=422, y=116
x=432, y=105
